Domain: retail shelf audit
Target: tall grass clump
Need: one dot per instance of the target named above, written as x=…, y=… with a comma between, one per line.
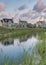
x=41, y=49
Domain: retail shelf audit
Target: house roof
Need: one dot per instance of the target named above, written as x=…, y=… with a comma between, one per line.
x=22, y=21
x=7, y=20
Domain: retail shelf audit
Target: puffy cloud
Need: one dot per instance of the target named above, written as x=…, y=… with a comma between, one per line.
x=22, y=7
x=39, y=6
x=6, y=14
x=2, y=6
x=27, y=14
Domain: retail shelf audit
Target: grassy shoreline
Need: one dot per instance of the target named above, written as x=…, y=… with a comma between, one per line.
x=19, y=32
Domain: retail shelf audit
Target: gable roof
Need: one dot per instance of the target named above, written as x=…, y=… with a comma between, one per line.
x=7, y=20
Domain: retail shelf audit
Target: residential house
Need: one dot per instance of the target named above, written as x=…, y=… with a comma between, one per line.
x=7, y=22
x=41, y=24
x=15, y=25
x=22, y=24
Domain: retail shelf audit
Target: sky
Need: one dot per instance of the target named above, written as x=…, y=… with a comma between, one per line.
x=15, y=4
x=12, y=5
x=8, y=8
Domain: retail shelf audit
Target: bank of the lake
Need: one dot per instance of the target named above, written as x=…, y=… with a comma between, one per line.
x=4, y=32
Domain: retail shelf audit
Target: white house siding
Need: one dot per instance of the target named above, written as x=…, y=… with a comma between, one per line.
x=43, y=24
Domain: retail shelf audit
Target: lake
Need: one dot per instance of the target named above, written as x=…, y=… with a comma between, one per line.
x=16, y=49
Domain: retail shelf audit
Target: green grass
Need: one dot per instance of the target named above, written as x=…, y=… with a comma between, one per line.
x=19, y=32
x=41, y=49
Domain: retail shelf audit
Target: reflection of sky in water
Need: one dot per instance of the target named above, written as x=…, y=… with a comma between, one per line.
x=17, y=49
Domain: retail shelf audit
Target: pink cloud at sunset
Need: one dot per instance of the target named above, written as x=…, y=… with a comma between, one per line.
x=2, y=6
x=39, y=6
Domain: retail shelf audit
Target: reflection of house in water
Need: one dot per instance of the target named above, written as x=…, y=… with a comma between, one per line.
x=24, y=38
x=8, y=41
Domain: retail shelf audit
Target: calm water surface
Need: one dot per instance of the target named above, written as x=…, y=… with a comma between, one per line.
x=14, y=48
